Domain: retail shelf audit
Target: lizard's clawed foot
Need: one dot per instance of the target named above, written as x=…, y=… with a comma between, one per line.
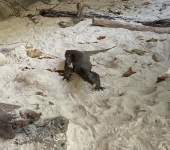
x=99, y=88
x=61, y=74
x=68, y=78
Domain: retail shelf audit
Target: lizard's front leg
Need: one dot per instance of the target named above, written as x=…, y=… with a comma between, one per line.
x=68, y=74
x=68, y=70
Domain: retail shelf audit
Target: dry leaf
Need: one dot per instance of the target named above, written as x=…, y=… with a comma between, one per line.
x=46, y=57
x=146, y=3
x=129, y=72
x=128, y=51
x=138, y=51
x=140, y=37
x=31, y=17
x=34, y=20
x=40, y=93
x=101, y=37
x=114, y=58
x=55, y=70
x=161, y=40
x=160, y=79
x=50, y=70
x=152, y=40
x=34, y=53
x=50, y=103
x=155, y=58
x=37, y=107
x=26, y=68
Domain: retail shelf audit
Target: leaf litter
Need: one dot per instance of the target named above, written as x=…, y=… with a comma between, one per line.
x=162, y=78
x=129, y=72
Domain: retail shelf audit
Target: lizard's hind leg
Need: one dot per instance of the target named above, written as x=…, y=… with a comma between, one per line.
x=96, y=80
x=92, y=78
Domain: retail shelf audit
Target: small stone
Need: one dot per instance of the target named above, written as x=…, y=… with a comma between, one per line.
x=2, y=59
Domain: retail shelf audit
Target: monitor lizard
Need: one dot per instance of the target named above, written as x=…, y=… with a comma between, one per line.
x=82, y=66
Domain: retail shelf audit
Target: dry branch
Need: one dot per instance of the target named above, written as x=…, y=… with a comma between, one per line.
x=129, y=26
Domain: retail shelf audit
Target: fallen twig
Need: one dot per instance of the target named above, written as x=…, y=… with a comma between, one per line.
x=128, y=51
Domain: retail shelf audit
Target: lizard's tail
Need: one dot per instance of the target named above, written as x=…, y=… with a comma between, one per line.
x=90, y=53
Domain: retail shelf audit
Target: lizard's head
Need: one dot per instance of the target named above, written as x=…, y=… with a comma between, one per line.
x=69, y=58
x=68, y=61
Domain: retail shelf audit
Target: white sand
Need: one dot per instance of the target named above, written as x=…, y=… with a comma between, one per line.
x=132, y=113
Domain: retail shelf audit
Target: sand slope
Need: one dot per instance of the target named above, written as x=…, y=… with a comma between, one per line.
x=132, y=113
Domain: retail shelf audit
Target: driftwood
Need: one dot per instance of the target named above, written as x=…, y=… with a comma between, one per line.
x=156, y=23
x=74, y=14
x=106, y=20
x=129, y=26
x=109, y=16
x=77, y=16
x=55, y=13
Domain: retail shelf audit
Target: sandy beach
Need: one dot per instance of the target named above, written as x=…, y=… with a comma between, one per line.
x=132, y=113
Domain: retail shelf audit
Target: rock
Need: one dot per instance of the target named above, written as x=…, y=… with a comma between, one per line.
x=26, y=126
x=30, y=115
x=2, y=59
x=10, y=121
x=50, y=132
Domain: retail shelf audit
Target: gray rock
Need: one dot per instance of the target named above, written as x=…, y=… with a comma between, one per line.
x=26, y=126
x=10, y=120
x=50, y=132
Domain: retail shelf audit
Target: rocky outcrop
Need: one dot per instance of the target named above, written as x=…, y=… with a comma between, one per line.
x=25, y=126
